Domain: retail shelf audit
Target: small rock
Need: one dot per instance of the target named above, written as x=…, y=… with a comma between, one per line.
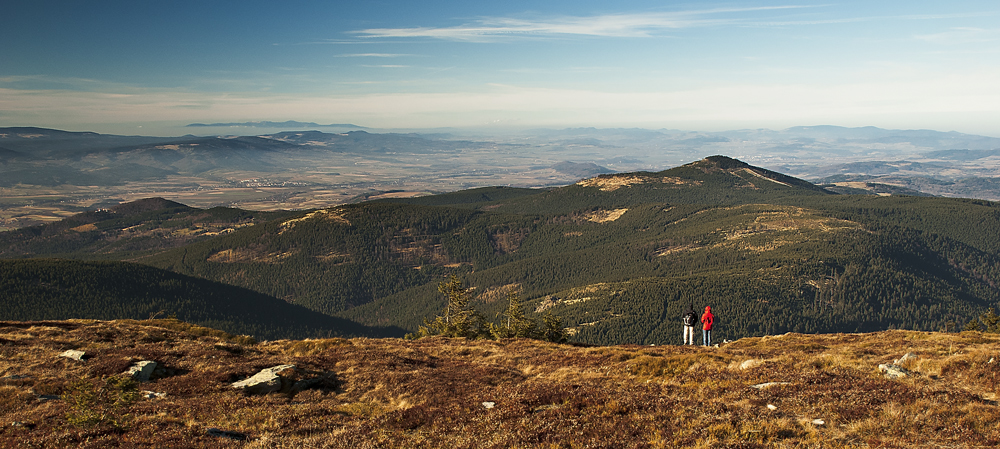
x=893, y=371
x=153, y=395
x=489, y=405
x=769, y=384
x=772, y=407
x=991, y=360
x=73, y=354
x=141, y=371
x=49, y=397
x=908, y=356
x=818, y=422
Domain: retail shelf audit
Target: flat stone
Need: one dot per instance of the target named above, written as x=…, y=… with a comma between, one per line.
x=265, y=381
x=769, y=385
x=489, y=405
x=73, y=354
x=772, y=407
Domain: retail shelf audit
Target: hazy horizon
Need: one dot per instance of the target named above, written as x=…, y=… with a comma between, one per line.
x=149, y=69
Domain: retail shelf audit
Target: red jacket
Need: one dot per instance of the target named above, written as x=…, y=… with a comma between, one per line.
x=707, y=318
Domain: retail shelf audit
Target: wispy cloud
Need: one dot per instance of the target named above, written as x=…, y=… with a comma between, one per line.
x=638, y=25
x=610, y=25
x=961, y=36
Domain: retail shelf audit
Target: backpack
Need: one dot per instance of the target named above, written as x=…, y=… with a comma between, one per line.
x=690, y=319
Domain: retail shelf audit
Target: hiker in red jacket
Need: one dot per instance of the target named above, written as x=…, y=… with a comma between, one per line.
x=706, y=325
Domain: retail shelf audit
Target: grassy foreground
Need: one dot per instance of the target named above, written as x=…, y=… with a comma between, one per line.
x=438, y=392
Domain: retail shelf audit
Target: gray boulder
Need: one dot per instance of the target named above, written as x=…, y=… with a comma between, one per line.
x=141, y=371
x=266, y=381
x=286, y=379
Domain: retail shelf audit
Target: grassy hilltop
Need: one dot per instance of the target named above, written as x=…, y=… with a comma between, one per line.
x=791, y=390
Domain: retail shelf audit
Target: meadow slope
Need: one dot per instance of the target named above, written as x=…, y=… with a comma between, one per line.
x=792, y=390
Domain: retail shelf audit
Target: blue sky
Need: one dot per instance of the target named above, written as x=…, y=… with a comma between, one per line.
x=111, y=66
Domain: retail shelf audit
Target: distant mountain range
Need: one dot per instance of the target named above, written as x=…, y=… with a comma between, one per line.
x=618, y=256
x=265, y=124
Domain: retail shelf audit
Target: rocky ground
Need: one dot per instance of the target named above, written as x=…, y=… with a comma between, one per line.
x=932, y=390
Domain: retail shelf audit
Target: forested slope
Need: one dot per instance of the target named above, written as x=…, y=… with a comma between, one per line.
x=41, y=289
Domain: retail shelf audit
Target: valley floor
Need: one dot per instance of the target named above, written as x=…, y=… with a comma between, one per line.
x=792, y=390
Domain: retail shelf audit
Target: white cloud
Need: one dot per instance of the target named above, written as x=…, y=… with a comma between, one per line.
x=610, y=25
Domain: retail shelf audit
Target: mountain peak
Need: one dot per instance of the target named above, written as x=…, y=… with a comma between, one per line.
x=722, y=163
x=717, y=174
x=736, y=167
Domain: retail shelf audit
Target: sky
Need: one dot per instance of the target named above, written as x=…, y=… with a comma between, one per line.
x=144, y=67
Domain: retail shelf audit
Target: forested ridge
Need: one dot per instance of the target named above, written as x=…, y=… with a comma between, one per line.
x=51, y=289
x=127, y=230
x=620, y=256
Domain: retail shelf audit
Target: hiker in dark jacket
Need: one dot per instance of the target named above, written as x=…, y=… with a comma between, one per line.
x=706, y=320
x=689, y=319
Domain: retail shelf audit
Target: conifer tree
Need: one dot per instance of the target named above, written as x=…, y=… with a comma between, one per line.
x=513, y=323
x=459, y=319
x=553, y=329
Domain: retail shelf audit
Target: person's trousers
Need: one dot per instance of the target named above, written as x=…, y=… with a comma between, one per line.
x=706, y=335
x=689, y=335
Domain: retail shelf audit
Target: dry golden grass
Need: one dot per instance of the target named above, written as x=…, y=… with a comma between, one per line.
x=821, y=391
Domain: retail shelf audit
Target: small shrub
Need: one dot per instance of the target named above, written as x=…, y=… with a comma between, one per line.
x=100, y=402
